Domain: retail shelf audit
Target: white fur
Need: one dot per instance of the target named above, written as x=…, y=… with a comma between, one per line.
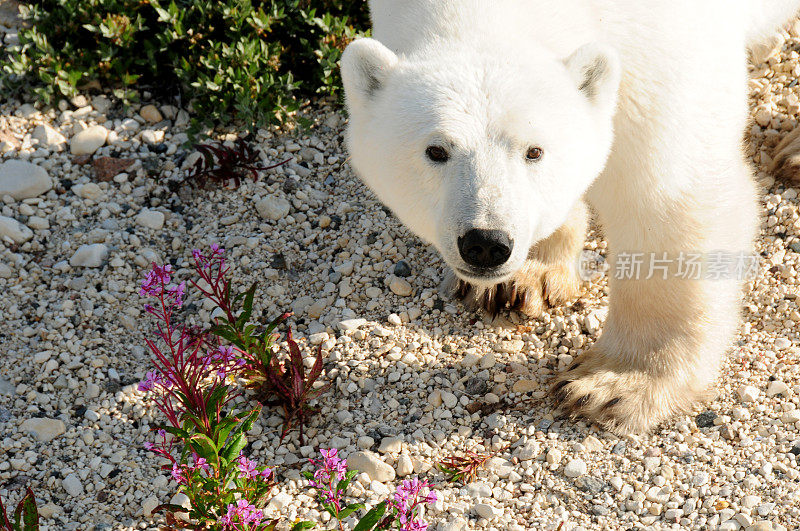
x=660, y=158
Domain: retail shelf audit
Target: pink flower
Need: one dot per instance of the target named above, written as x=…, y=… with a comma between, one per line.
x=242, y=513
x=407, y=499
x=150, y=380
x=178, y=475
x=155, y=280
x=247, y=467
x=176, y=294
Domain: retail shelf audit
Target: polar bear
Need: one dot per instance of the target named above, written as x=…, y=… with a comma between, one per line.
x=484, y=124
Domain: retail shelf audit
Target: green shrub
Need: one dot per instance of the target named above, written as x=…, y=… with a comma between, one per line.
x=242, y=60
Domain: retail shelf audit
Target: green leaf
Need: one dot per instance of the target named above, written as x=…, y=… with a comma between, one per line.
x=345, y=481
x=299, y=526
x=234, y=447
x=371, y=519
x=30, y=514
x=247, y=307
x=350, y=509
x=205, y=448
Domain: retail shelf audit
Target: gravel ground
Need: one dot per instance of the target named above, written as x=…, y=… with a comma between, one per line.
x=75, y=241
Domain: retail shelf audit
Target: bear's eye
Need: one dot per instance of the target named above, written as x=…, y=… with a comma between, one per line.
x=534, y=154
x=437, y=154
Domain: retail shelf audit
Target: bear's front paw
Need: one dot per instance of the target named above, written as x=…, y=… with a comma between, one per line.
x=531, y=291
x=621, y=399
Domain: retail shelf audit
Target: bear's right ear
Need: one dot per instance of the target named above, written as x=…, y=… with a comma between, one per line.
x=365, y=65
x=595, y=69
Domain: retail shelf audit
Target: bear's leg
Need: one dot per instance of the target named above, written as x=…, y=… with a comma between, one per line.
x=669, y=323
x=548, y=278
x=786, y=159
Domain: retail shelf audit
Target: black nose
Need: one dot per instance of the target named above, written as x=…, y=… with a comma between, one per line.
x=485, y=248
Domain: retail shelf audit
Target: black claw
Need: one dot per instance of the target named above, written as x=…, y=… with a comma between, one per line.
x=611, y=403
x=559, y=393
x=501, y=296
x=582, y=401
x=462, y=290
x=512, y=296
x=490, y=303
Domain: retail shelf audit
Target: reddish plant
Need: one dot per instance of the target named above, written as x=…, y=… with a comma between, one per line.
x=276, y=382
x=464, y=468
x=25, y=517
x=222, y=164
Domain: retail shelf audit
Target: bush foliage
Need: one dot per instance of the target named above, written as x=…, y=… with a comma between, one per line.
x=244, y=60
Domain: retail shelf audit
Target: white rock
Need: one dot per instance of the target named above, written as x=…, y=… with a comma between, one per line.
x=279, y=501
x=457, y=524
x=449, y=399
x=89, y=140
x=479, y=489
x=592, y=444
x=404, y=465
x=148, y=505
x=22, y=180
x=751, y=501
x=400, y=286
x=152, y=219
x=528, y=451
x=488, y=360
x=101, y=104
x=435, y=398
x=92, y=255
x=273, y=208
x=470, y=359
x=351, y=324
x=782, y=343
x=49, y=137
x=484, y=510
x=72, y=484
x=391, y=445
x=553, y=456
x=575, y=468
x=777, y=387
x=370, y=464
x=88, y=191
x=525, y=386
x=152, y=137
x=318, y=338
x=790, y=417
x=49, y=510
x=38, y=223
x=13, y=229
x=43, y=429
x=394, y=319
x=748, y=393
x=509, y=346
x=151, y=114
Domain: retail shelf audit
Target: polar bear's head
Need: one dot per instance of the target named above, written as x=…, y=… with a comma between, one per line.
x=481, y=154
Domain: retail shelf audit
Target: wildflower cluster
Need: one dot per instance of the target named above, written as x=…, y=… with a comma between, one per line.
x=193, y=383
x=202, y=443
x=404, y=511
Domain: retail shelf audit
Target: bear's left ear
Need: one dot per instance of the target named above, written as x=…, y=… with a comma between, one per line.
x=365, y=66
x=596, y=71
